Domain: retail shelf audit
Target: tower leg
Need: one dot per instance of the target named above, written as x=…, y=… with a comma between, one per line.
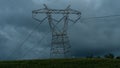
x=60, y=46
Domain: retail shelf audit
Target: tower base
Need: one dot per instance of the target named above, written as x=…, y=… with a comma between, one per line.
x=60, y=46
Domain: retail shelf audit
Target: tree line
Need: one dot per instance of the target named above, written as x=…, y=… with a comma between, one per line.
x=108, y=56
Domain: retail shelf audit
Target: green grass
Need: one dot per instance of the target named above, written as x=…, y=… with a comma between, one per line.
x=62, y=63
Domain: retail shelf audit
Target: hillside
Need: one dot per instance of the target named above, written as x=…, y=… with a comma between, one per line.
x=62, y=63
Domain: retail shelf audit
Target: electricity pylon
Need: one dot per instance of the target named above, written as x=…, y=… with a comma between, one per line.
x=60, y=46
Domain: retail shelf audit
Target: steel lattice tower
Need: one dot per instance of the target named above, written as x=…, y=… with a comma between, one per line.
x=60, y=46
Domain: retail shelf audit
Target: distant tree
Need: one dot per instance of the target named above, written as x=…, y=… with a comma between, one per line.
x=90, y=56
x=98, y=57
x=118, y=57
x=110, y=56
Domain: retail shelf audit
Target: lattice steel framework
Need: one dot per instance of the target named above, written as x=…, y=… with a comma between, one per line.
x=60, y=46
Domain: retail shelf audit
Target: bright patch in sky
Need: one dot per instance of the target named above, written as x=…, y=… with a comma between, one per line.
x=88, y=1
x=94, y=3
x=51, y=1
x=40, y=1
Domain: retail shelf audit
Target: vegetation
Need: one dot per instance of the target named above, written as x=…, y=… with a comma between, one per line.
x=110, y=55
x=118, y=57
x=63, y=63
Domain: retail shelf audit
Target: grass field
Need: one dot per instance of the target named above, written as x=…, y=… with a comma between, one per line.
x=62, y=63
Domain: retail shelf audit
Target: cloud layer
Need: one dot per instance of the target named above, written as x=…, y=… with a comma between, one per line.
x=94, y=36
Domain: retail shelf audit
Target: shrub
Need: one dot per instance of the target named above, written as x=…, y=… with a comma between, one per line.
x=118, y=57
x=110, y=56
x=90, y=56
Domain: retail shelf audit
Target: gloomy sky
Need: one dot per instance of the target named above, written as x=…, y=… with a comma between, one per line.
x=90, y=36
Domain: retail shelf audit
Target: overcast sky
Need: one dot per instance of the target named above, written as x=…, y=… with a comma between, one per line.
x=91, y=36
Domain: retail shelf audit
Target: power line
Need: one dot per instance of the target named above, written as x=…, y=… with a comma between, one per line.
x=72, y=24
x=29, y=35
x=41, y=41
x=100, y=17
x=43, y=37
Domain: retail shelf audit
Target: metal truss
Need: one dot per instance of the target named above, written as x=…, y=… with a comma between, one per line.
x=60, y=45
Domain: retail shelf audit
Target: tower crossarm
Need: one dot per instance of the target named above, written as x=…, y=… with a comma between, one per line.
x=56, y=11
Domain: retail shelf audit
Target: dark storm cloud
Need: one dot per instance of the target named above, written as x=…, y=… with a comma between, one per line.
x=96, y=36
x=16, y=23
